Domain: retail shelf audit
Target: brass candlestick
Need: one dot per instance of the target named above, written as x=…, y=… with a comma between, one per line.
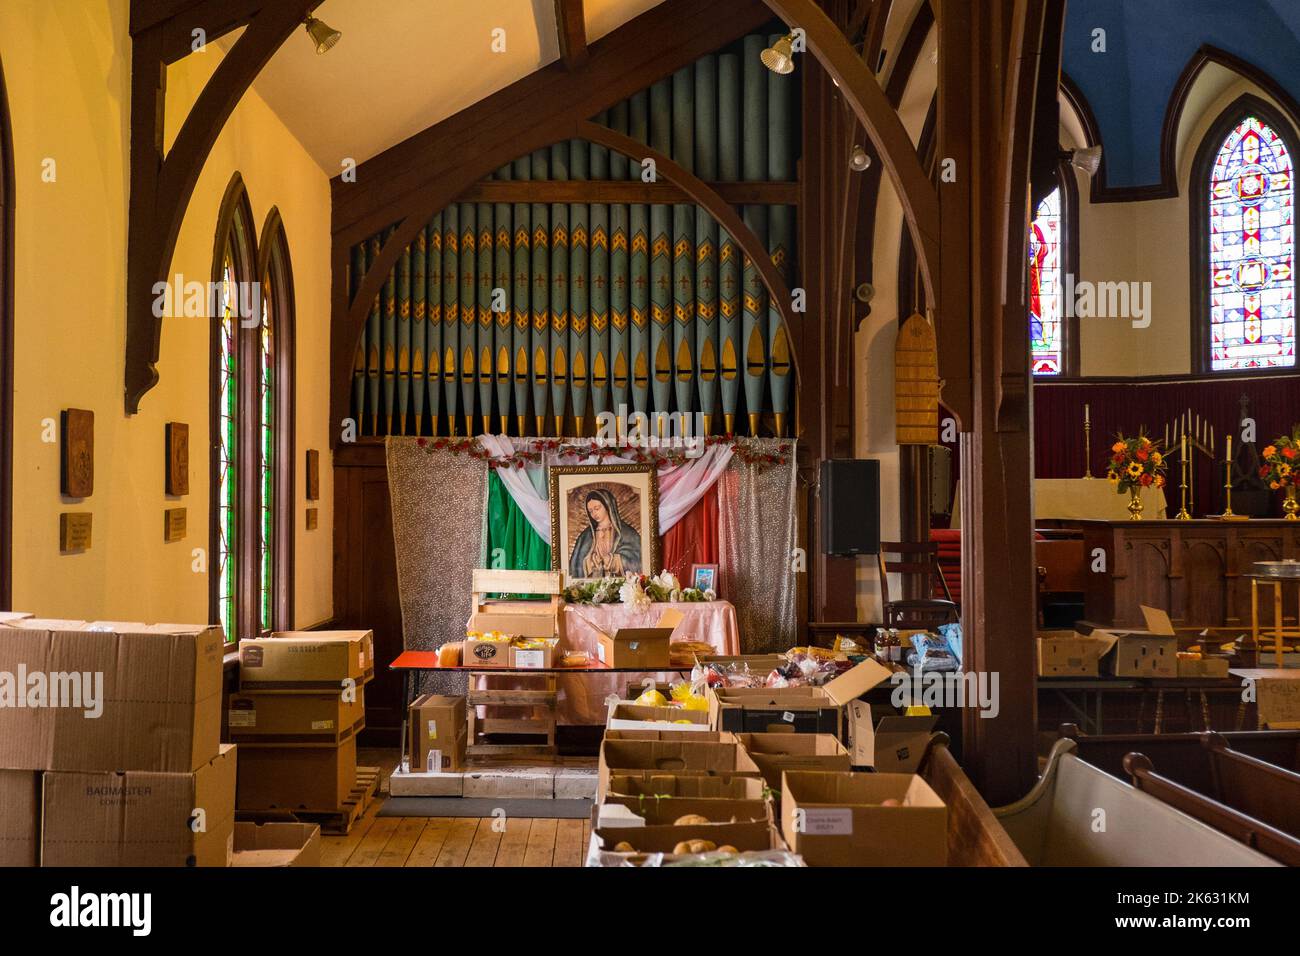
x=1087, y=447
x=1183, y=514
x=1227, y=485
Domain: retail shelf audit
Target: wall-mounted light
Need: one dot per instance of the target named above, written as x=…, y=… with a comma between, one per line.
x=1087, y=160
x=322, y=34
x=859, y=159
x=779, y=57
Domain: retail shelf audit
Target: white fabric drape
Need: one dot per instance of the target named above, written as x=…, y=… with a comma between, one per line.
x=680, y=486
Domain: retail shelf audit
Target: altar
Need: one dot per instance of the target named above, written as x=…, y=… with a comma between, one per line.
x=1081, y=499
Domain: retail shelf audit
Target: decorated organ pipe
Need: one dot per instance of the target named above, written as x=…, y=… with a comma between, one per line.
x=502, y=312
x=518, y=300
x=579, y=278
x=433, y=302
x=559, y=318
x=598, y=346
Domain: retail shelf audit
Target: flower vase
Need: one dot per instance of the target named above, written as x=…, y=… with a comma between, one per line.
x=1134, y=504
x=1289, y=504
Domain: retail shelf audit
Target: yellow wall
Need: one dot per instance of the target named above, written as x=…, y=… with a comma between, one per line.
x=67, y=66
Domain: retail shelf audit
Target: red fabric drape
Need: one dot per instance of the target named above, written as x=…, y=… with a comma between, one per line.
x=693, y=540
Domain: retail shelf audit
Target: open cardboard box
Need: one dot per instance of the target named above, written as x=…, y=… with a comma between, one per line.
x=639, y=646
x=695, y=786
x=802, y=709
x=672, y=756
x=895, y=744
x=542, y=653
x=277, y=844
x=838, y=819
x=753, y=835
x=775, y=753
x=1071, y=654
x=1149, y=653
x=625, y=715
x=643, y=811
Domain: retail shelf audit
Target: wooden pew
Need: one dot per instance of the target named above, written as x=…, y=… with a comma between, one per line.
x=1058, y=823
x=1282, y=847
x=1180, y=756
x=975, y=838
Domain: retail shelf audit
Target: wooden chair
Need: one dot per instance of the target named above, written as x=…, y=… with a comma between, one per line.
x=917, y=558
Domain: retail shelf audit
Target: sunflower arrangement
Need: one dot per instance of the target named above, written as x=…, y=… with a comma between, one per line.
x=1135, y=463
x=1280, y=460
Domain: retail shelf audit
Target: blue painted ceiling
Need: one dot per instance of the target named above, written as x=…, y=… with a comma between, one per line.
x=1148, y=43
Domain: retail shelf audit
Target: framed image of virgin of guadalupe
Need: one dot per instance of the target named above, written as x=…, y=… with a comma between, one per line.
x=604, y=520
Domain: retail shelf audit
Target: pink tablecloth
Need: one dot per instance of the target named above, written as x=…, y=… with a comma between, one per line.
x=582, y=699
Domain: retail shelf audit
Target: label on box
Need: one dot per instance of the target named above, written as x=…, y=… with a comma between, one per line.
x=530, y=658
x=828, y=821
x=322, y=725
x=433, y=762
x=433, y=729
x=243, y=718
x=788, y=717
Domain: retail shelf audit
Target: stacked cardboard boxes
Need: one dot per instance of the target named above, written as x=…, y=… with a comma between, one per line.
x=110, y=745
x=296, y=715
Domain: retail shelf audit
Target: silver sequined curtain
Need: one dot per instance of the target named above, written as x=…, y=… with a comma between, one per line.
x=438, y=514
x=756, y=538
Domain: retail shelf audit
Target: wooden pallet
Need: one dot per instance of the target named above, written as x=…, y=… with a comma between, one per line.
x=336, y=822
x=540, y=726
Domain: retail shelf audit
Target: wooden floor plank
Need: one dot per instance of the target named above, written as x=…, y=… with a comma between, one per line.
x=459, y=840
x=373, y=843
x=335, y=850
x=541, y=843
x=514, y=842
x=483, y=851
x=426, y=849
x=568, y=843
x=402, y=842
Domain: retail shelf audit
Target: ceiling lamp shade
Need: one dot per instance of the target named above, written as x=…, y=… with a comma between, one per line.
x=1088, y=160
x=779, y=57
x=859, y=159
x=321, y=34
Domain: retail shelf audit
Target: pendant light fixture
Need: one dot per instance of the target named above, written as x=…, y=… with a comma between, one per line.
x=779, y=57
x=322, y=34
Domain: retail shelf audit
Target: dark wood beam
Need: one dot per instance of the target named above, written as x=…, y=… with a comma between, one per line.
x=571, y=23
x=410, y=182
x=161, y=186
x=625, y=191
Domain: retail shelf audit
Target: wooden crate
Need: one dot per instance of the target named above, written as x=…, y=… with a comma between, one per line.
x=540, y=700
x=535, y=618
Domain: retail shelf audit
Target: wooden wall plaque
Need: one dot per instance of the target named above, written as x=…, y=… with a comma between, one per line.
x=77, y=461
x=74, y=531
x=312, y=519
x=916, y=384
x=173, y=524
x=177, y=480
x=313, y=474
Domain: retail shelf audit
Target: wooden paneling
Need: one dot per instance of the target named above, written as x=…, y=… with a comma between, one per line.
x=365, y=576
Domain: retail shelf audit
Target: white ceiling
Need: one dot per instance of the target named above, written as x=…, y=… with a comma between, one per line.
x=403, y=65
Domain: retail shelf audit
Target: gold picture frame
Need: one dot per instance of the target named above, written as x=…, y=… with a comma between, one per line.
x=624, y=499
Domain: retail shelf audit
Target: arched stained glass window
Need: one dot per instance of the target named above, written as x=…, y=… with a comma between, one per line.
x=226, y=440
x=1046, y=254
x=1251, y=241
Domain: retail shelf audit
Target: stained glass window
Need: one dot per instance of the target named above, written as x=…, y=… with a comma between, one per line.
x=1252, y=233
x=1046, y=339
x=227, y=386
x=266, y=444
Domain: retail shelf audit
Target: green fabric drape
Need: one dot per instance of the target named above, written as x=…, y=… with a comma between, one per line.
x=511, y=541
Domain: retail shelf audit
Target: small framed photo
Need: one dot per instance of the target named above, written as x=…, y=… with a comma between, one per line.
x=705, y=577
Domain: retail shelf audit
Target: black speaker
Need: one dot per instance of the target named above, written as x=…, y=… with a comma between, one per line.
x=850, y=497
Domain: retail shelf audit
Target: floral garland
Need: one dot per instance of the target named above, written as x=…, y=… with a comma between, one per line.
x=745, y=450
x=635, y=590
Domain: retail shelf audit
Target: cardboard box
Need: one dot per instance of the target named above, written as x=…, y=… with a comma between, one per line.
x=672, y=756
x=1149, y=653
x=837, y=819
x=293, y=717
x=664, y=811
x=276, y=844
x=636, y=783
x=535, y=658
x=893, y=745
x=1204, y=667
x=367, y=639
x=775, y=753
x=147, y=700
x=802, y=709
x=20, y=818
x=754, y=835
x=438, y=723
x=304, y=660
x=1070, y=654
x=477, y=653
x=140, y=818
x=704, y=736
x=644, y=647
x=296, y=777
x=626, y=715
